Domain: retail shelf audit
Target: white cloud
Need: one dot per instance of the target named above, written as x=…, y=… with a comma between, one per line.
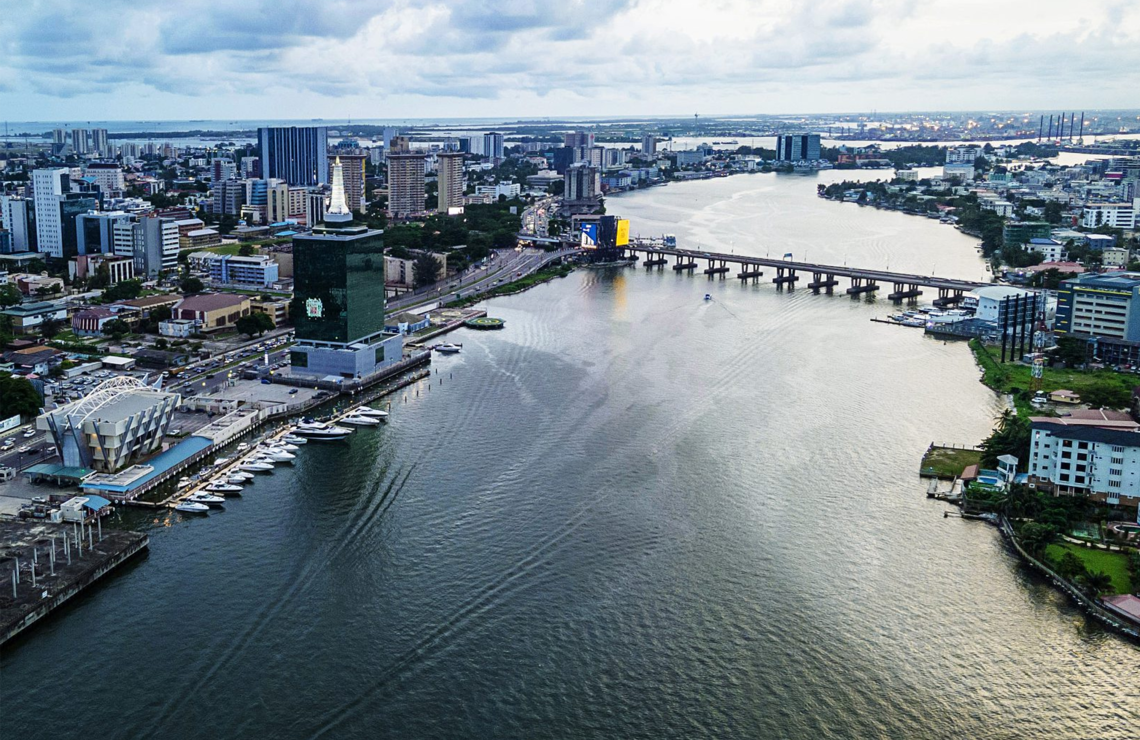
x=412, y=58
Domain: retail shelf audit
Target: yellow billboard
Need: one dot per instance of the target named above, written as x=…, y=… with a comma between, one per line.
x=622, y=233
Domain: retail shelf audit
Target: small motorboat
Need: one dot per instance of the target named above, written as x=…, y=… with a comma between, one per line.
x=257, y=466
x=234, y=480
x=278, y=454
x=369, y=411
x=192, y=507
x=287, y=446
x=243, y=447
x=448, y=349
x=360, y=420
x=207, y=499
x=224, y=488
x=183, y=482
x=293, y=439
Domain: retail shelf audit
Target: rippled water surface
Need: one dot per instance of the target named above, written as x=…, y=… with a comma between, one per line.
x=633, y=513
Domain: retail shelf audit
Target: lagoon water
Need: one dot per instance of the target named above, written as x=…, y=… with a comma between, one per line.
x=633, y=513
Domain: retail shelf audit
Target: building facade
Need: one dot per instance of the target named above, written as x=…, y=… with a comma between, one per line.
x=406, y=184
x=1102, y=305
x=296, y=154
x=450, y=182
x=50, y=185
x=14, y=219
x=255, y=271
x=1089, y=461
x=797, y=147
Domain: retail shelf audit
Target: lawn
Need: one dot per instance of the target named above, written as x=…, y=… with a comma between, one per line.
x=1115, y=564
x=948, y=462
x=1010, y=376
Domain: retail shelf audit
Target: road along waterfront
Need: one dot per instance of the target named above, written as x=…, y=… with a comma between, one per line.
x=633, y=513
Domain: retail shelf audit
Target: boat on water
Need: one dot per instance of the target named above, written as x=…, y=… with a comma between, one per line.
x=224, y=488
x=914, y=322
x=360, y=420
x=321, y=430
x=369, y=411
x=448, y=349
x=183, y=482
x=278, y=454
x=207, y=499
x=257, y=466
x=191, y=507
x=293, y=439
x=234, y=480
x=243, y=447
x=287, y=446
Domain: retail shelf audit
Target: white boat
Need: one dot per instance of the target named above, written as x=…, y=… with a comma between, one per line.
x=293, y=439
x=243, y=447
x=190, y=507
x=287, y=446
x=369, y=411
x=359, y=420
x=234, y=480
x=277, y=454
x=257, y=466
x=448, y=349
x=207, y=499
x=321, y=430
x=183, y=482
x=223, y=488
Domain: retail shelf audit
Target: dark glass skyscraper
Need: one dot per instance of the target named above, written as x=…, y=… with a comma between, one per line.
x=797, y=147
x=338, y=283
x=296, y=154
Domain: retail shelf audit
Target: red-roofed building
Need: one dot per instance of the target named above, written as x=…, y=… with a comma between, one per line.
x=212, y=311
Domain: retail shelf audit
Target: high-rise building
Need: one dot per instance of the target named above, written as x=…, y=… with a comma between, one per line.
x=228, y=197
x=406, y=184
x=14, y=219
x=579, y=138
x=450, y=182
x=151, y=241
x=315, y=206
x=108, y=176
x=581, y=183
x=296, y=154
x=493, y=145
x=399, y=145
x=95, y=232
x=338, y=298
x=352, y=167
x=71, y=206
x=250, y=167
x=99, y=142
x=390, y=133
x=649, y=144
x=79, y=140
x=563, y=158
x=50, y=185
x=223, y=169
x=59, y=136
x=797, y=147
x=284, y=202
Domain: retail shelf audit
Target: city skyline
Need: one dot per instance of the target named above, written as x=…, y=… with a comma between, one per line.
x=468, y=58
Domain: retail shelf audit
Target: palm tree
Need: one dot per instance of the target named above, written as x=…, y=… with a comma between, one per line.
x=1098, y=582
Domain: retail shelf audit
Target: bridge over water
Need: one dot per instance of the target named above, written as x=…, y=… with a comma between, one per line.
x=788, y=272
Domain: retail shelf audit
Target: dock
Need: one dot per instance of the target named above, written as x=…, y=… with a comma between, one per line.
x=42, y=565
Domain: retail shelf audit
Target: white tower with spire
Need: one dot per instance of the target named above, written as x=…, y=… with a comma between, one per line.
x=338, y=211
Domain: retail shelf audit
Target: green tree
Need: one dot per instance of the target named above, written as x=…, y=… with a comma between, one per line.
x=191, y=285
x=18, y=396
x=254, y=323
x=9, y=295
x=124, y=291
x=50, y=327
x=1098, y=582
x=246, y=250
x=116, y=328
x=161, y=343
x=1036, y=536
x=1053, y=212
x=1010, y=437
x=1070, y=566
x=425, y=269
x=1106, y=395
x=1071, y=350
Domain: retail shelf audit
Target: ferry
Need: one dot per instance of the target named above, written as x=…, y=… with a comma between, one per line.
x=190, y=507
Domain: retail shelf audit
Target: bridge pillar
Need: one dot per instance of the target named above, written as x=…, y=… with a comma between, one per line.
x=831, y=282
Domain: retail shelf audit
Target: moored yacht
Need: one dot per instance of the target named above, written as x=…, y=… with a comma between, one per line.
x=278, y=454
x=257, y=466
x=360, y=420
x=321, y=430
x=207, y=499
x=293, y=439
x=223, y=488
x=369, y=411
x=191, y=507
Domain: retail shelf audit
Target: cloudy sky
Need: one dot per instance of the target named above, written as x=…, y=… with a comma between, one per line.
x=246, y=59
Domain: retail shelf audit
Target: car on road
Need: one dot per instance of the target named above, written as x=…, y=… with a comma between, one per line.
x=293, y=392
x=30, y=433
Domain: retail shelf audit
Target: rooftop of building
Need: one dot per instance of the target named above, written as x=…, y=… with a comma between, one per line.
x=33, y=309
x=111, y=404
x=152, y=301
x=1120, y=280
x=1083, y=433
x=997, y=292
x=211, y=301
x=202, y=232
x=94, y=312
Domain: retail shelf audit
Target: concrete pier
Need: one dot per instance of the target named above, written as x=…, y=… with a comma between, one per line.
x=42, y=565
x=861, y=285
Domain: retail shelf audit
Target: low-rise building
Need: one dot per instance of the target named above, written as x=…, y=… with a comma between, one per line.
x=90, y=321
x=258, y=271
x=1116, y=215
x=199, y=239
x=28, y=318
x=212, y=311
x=275, y=308
x=1114, y=257
x=1050, y=249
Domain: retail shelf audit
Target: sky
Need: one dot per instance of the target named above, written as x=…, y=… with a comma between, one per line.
x=391, y=59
